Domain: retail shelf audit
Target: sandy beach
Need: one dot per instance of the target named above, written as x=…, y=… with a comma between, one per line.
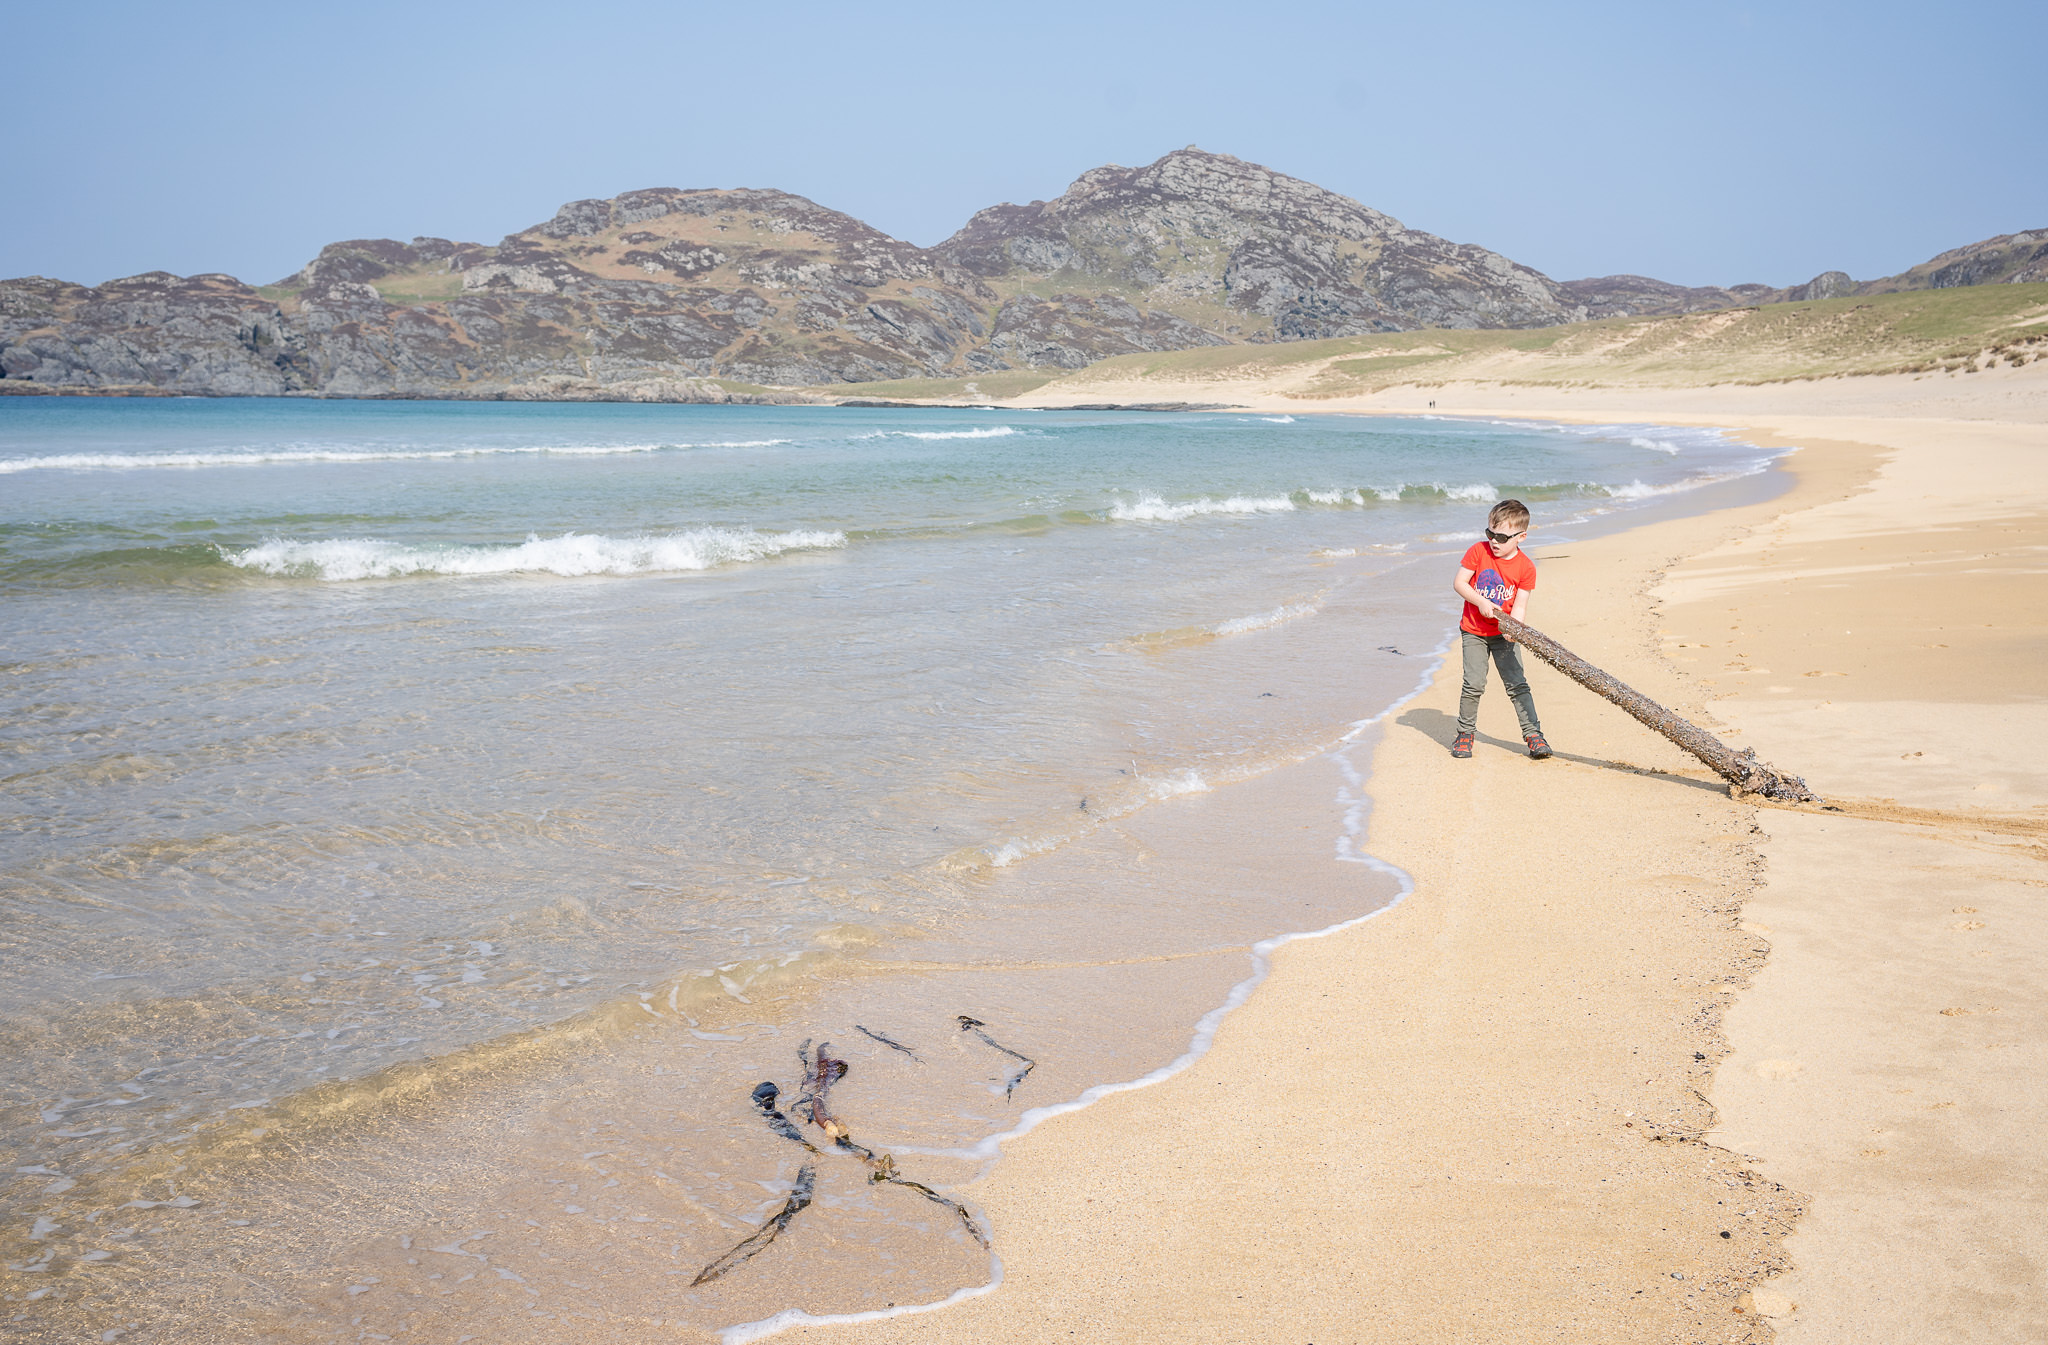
x=1635, y=1060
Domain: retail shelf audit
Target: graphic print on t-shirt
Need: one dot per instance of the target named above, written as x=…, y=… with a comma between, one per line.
x=1490, y=586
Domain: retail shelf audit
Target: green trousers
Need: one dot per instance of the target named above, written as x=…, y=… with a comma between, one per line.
x=1509, y=660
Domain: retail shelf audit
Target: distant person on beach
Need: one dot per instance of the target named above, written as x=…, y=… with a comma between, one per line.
x=1495, y=577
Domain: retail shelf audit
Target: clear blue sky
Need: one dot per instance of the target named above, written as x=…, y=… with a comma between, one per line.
x=1704, y=143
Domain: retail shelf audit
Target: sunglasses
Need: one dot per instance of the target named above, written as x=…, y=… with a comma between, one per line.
x=1502, y=537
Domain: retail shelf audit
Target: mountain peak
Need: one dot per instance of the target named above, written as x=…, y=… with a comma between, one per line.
x=1237, y=246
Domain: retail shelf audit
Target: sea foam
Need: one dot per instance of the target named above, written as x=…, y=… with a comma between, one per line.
x=571, y=554
x=1267, y=620
x=1153, y=509
x=89, y=462
x=986, y=432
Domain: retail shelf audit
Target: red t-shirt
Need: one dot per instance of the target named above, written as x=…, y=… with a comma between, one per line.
x=1500, y=581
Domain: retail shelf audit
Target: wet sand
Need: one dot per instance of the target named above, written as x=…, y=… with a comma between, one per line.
x=1627, y=1033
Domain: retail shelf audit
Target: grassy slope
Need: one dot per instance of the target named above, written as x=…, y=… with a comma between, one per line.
x=1905, y=332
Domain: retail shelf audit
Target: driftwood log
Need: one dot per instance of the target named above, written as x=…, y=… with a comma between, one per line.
x=1743, y=772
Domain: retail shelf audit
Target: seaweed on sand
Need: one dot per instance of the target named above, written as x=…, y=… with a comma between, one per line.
x=799, y=1196
x=820, y=1075
x=764, y=1097
x=821, y=1071
x=885, y=1171
x=891, y=1044
x=975, y=1025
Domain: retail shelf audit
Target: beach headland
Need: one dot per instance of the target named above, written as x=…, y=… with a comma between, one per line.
x=1634, y=1060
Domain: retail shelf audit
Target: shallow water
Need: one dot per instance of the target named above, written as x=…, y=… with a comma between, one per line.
x=425, y=822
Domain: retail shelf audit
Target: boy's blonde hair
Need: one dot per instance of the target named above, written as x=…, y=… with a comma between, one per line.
x=1508, y=511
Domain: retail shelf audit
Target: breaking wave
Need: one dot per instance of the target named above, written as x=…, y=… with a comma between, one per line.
x=571, y=554
x=89, y=462
x=986, y=432
x=1267, y=620
x=1153, y=509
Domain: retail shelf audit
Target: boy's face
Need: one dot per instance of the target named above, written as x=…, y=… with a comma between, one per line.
x=1506, y=539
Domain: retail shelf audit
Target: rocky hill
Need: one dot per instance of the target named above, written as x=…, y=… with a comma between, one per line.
x=1236, y=252
x=695, y=295
x=2020, y=258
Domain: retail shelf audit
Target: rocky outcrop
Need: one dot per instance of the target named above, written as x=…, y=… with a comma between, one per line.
x=1636, y=296
x=705, y=295
x=1240, y=252
x=1069, y=331
x=198, y=334
x=2009, y=259
x=2013, y=259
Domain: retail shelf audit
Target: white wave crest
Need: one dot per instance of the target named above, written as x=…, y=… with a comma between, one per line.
x=1153, y=509
x=1009, y=852
x=89, y=462
x=1397, y=493
x=1173, y=786
x=1265, y=620
x=1655, y=446
x=1643, y=490
x=571, y=554
x=1278, y=420
x=987, y=432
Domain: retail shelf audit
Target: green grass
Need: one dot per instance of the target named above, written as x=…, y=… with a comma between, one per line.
x=419, y=286
x=1906, y=332
x=1374, y=365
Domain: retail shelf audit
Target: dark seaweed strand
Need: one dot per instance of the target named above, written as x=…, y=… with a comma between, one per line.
x=820, y=1073
x=829, y=1070
x=885, y=1171
x=764, y=1098
x=975, y=1025
x=799, y=1196
x=826, y=1071
x=892, y=1045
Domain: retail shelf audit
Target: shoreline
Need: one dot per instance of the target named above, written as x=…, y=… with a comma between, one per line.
x=1374, y=1081
x=1355, y=806
x=1142, y=1264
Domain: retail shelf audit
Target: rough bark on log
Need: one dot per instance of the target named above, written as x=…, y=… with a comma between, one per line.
x=1743, y=772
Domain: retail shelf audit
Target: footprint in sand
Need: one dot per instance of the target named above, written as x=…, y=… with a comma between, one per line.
x=1778, y=1069
x=1771, y=1303
x=1967, y=924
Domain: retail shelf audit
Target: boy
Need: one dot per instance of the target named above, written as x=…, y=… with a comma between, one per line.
x=1495, y=577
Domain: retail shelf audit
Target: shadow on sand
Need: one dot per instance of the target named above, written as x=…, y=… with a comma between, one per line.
x=1442, y=728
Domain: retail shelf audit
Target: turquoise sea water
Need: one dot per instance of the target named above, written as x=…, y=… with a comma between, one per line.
x=369, y=765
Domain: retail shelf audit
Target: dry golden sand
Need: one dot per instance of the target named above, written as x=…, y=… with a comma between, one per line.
x=1485, y=1115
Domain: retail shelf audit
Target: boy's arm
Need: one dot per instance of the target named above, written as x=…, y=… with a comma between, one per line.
x=1462, y=586
x=1520, y=610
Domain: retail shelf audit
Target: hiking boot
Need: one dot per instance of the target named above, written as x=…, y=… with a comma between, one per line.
x=1462, y=745
x=1537, y=747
